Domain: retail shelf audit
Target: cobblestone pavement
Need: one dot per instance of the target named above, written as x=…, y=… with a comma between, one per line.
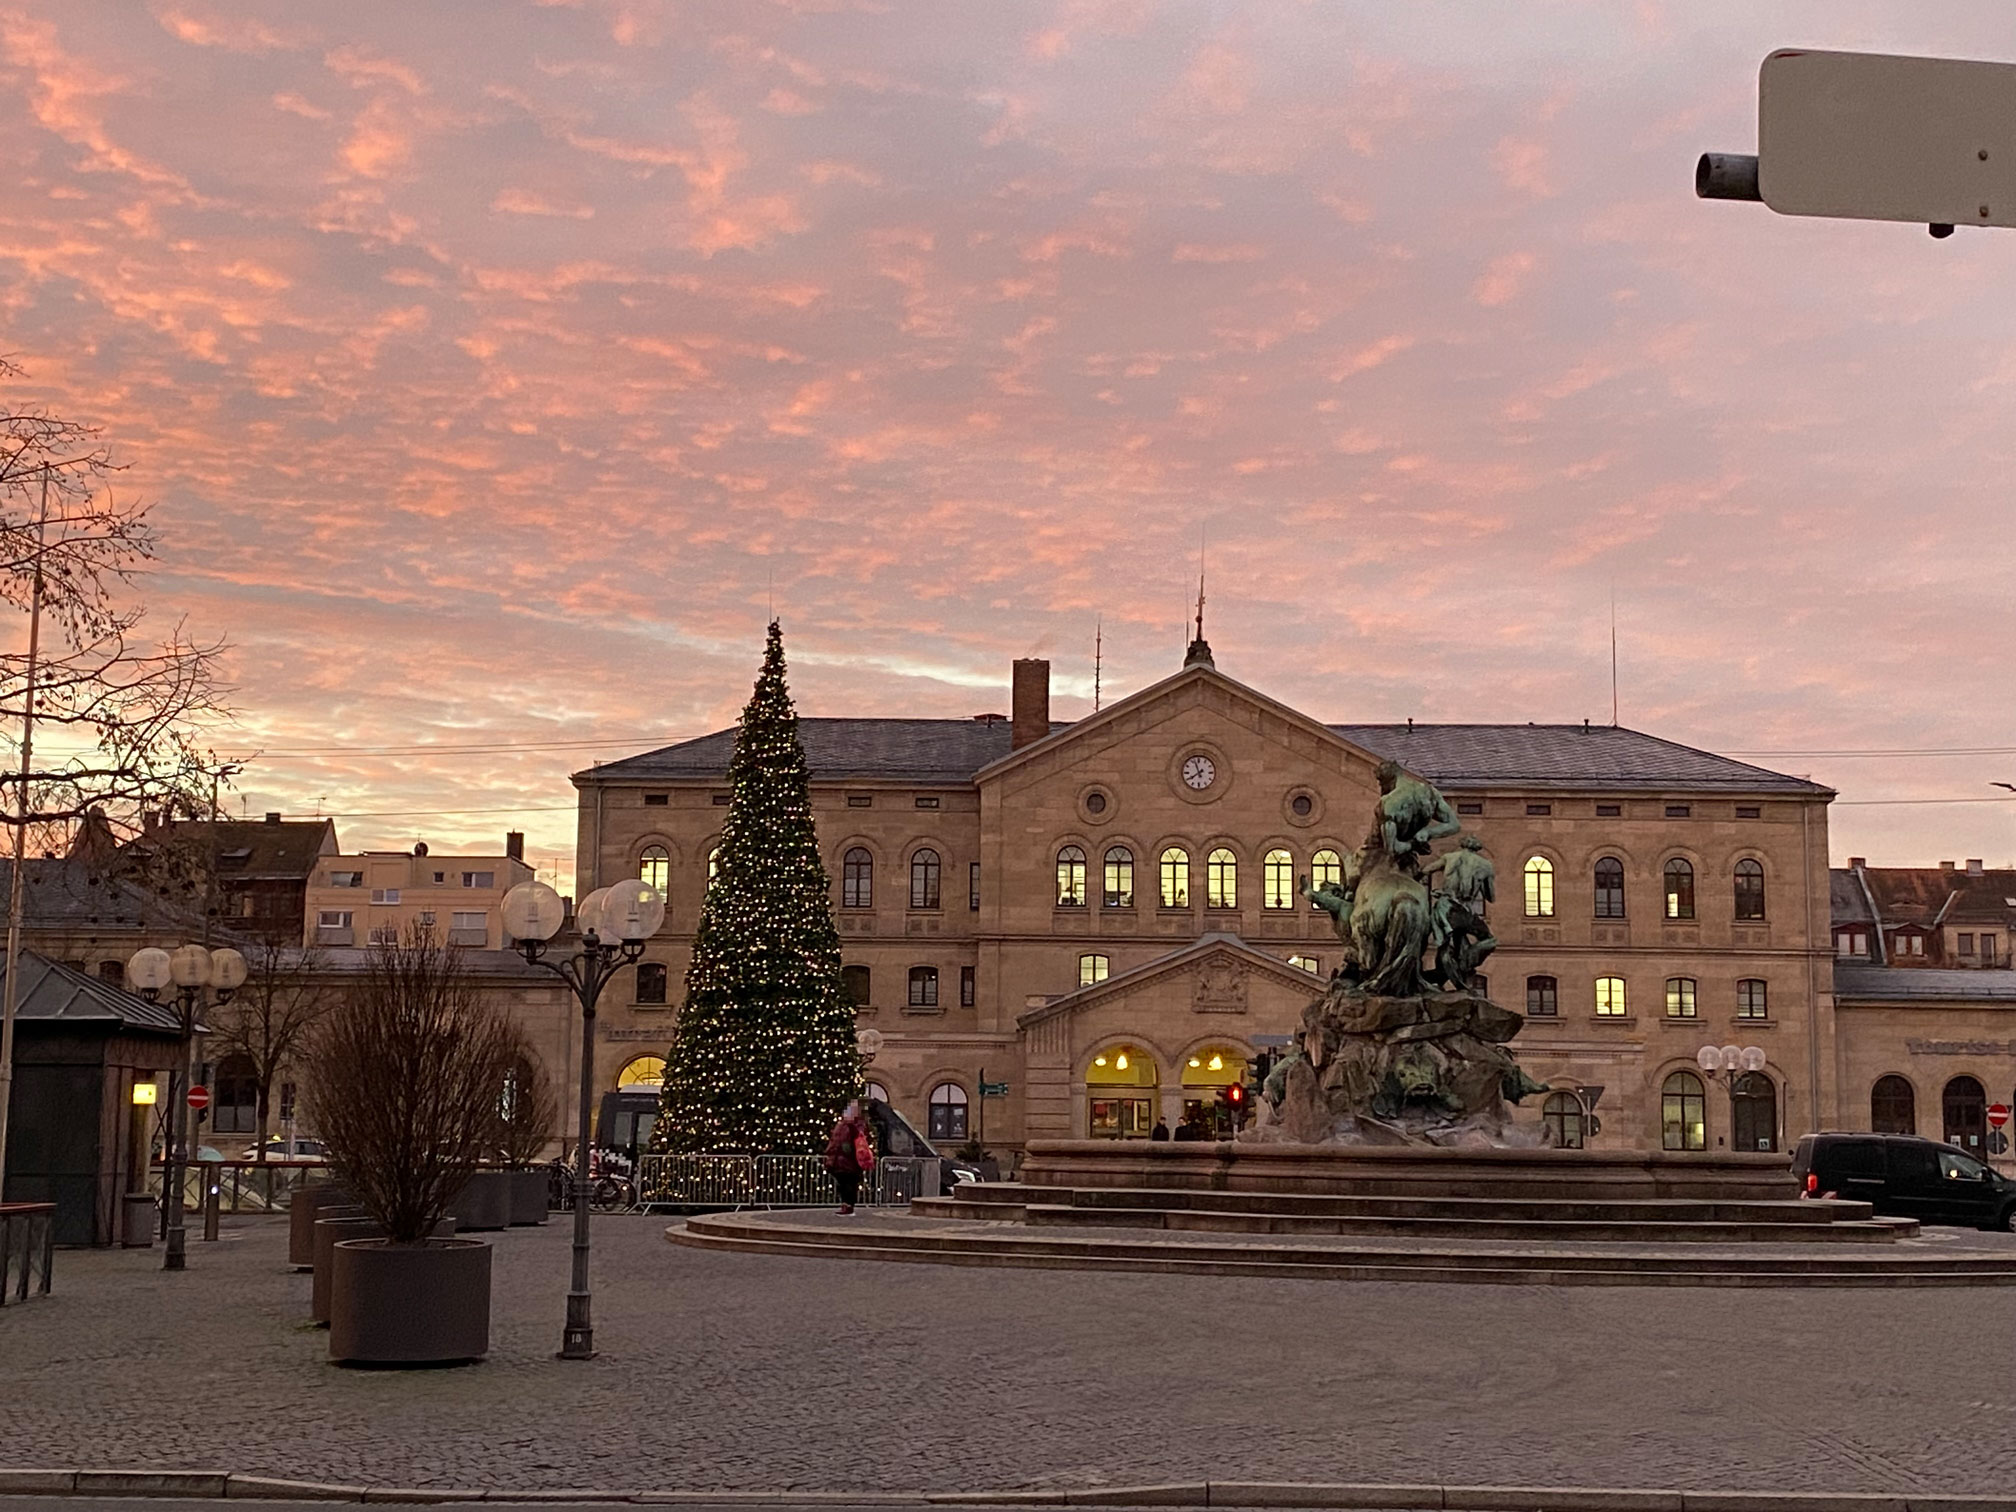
x=726, y=1371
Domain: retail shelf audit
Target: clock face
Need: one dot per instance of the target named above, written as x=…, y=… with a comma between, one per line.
x=1199, y=773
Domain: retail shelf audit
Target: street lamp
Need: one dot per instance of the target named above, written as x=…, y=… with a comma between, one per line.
x=614, y=923
x=189, y=970
x=1731, y=1060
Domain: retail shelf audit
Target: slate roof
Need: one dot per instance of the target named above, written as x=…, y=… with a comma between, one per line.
x=73, y=893
x=1934, y=894
x=1860, y=982
x=253, y=850
x=1523, y=755
x=54, y=995
x=1846, y=902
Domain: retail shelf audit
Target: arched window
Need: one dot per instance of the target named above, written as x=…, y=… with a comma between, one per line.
x=1562, y=1115
x=948, y=1112
x=1175, y=878
x=1679, y=889
x=1325, y=866
x=642, y=1071
x=923, y=986
x=875, y=1092
x=1093, y=968
x=924, y=879
x=234, y=1106
x=1543, y=997
x=1277, y=880
x=713, y=863
x=1119, y=891
x=1966, y=1108
x=1071, y=877
x=1539, y=888
x=857, y=879
x=1121, y=1093
x=1609, y=888
x=1753, y=1112
x=856, y=982
x=1749, y=889
x=1893, y=1106
x=1610, y=997
x=1221, y=879
x=654, y=868
x=1680, y=997
x=1753, y=999
x=1683, y=1113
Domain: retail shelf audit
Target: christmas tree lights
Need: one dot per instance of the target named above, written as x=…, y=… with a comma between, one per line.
x=764, y=1055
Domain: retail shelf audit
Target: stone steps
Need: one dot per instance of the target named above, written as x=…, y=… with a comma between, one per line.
x=1008, y=1245
x=1532, y=1231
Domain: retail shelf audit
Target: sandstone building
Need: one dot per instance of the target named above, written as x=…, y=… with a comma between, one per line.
x=1100, y=918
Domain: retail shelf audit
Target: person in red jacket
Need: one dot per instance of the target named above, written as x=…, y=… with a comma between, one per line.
x=850, y=1154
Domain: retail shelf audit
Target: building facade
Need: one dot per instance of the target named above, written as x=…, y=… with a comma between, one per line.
x=379, y=896
x=1100, y=920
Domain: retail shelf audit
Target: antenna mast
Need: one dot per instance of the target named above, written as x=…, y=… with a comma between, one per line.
x=1613, y=656
x=1098, y=656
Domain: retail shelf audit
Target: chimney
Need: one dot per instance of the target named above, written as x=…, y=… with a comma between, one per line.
x=1974, y=866
x=1947, y=866
x=1858, y=863
x=1031, y=702
x=514, y=845
x=272, y=818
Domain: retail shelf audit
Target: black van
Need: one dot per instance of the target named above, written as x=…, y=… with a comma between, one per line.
x=1905, y=1177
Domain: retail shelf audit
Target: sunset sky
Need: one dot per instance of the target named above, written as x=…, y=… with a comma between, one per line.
x=496, y=365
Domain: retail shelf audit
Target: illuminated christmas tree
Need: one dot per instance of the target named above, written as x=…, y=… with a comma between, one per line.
x=764, y=1057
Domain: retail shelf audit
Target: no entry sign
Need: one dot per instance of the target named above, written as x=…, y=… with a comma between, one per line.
x=1998, y=1115
x=199, y=1099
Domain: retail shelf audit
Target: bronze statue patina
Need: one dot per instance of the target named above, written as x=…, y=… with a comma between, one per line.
x=1400, y=1050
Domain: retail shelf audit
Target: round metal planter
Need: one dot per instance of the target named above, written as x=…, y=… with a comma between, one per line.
x=306, y=1205
x=340, y=1223
x=410, y=1304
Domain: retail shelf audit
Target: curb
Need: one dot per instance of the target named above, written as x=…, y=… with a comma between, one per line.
x=216, y=1484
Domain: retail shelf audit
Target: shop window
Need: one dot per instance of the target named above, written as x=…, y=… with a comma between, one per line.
x=1683, y=1113
x=1539, y=888
x=1121, y=1094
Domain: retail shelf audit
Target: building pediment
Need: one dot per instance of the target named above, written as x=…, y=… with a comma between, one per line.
x=1217, y=973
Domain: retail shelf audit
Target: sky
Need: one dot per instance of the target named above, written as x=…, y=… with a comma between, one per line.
x=496, y=367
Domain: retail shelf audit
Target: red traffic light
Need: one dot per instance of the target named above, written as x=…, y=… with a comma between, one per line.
x=1235, y=1094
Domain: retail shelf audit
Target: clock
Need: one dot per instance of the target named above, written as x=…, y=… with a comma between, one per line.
x=1199, y=772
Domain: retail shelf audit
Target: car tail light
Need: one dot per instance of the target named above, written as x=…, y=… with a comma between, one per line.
x=1812, y=1182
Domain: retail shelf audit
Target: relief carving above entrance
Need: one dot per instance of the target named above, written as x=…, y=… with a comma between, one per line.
x=1220, y=987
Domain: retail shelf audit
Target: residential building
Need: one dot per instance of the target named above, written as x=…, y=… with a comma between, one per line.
x=379, y=896
x=1103, y=915
x=262, y=867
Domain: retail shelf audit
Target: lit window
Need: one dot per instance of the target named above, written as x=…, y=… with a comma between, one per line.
x=1325, y=866
x=1749, y=889
x=1543, y=997
x=1679, y=889
x=1609, y=888
x=1539, y=888
x=1680, y=997
x=1071, y=877
x=1683, y=1113
x=857, y=879
x=948, y=1111
x=1092, y=968
x=1752, y=1001
x=923, y=986
x=1277, y=880
x=1610, y=997
x=924, y=879
x=1311, y=964
x=713, y=863
x=1175, y=878
x=1221, y=879
x=644, y=1071
x=654, y=868
x=1119, y=892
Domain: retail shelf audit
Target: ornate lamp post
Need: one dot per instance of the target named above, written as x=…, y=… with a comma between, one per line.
x=190, y=970
x=614, y=923
x=1734, y=1063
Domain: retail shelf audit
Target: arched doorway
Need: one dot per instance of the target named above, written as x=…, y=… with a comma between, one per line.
x=1207, y=1072
x=1120, y=1087
x=1753, y=1112
x=1893, y=1106
x=1965, y=1107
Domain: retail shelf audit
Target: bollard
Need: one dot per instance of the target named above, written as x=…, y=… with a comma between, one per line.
x=213, y=1205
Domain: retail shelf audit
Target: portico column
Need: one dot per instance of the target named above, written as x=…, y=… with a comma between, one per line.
x=1172, y=1105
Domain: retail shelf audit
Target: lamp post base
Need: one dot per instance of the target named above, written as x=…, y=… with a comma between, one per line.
x=577, y=1341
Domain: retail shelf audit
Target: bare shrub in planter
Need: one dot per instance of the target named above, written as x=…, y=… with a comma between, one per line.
x=404, y=1081
x=526, y=1114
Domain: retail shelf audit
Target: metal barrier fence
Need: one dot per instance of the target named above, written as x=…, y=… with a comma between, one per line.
x=738, y=1181
x=243, y=1186
x=27, y=1249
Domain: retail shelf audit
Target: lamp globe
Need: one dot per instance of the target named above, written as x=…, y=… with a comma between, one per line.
x=533, y=911
x=632, y=911
x=190, y=966
x=588, y=912
x=147, y=972
x=227, y=969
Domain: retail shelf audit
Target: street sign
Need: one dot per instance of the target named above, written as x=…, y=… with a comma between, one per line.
x=199, y=1098
x=1872, y=136
x=1998, y=1115
x=993, y=1089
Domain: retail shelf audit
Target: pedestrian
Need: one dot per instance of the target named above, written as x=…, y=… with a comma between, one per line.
x=1160, y=1132
x=1186, y=1132
x=850, y=1154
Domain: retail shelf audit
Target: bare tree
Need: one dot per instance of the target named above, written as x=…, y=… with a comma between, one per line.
x=270, y=1019
x=404, y=1078
x=529, y=1107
